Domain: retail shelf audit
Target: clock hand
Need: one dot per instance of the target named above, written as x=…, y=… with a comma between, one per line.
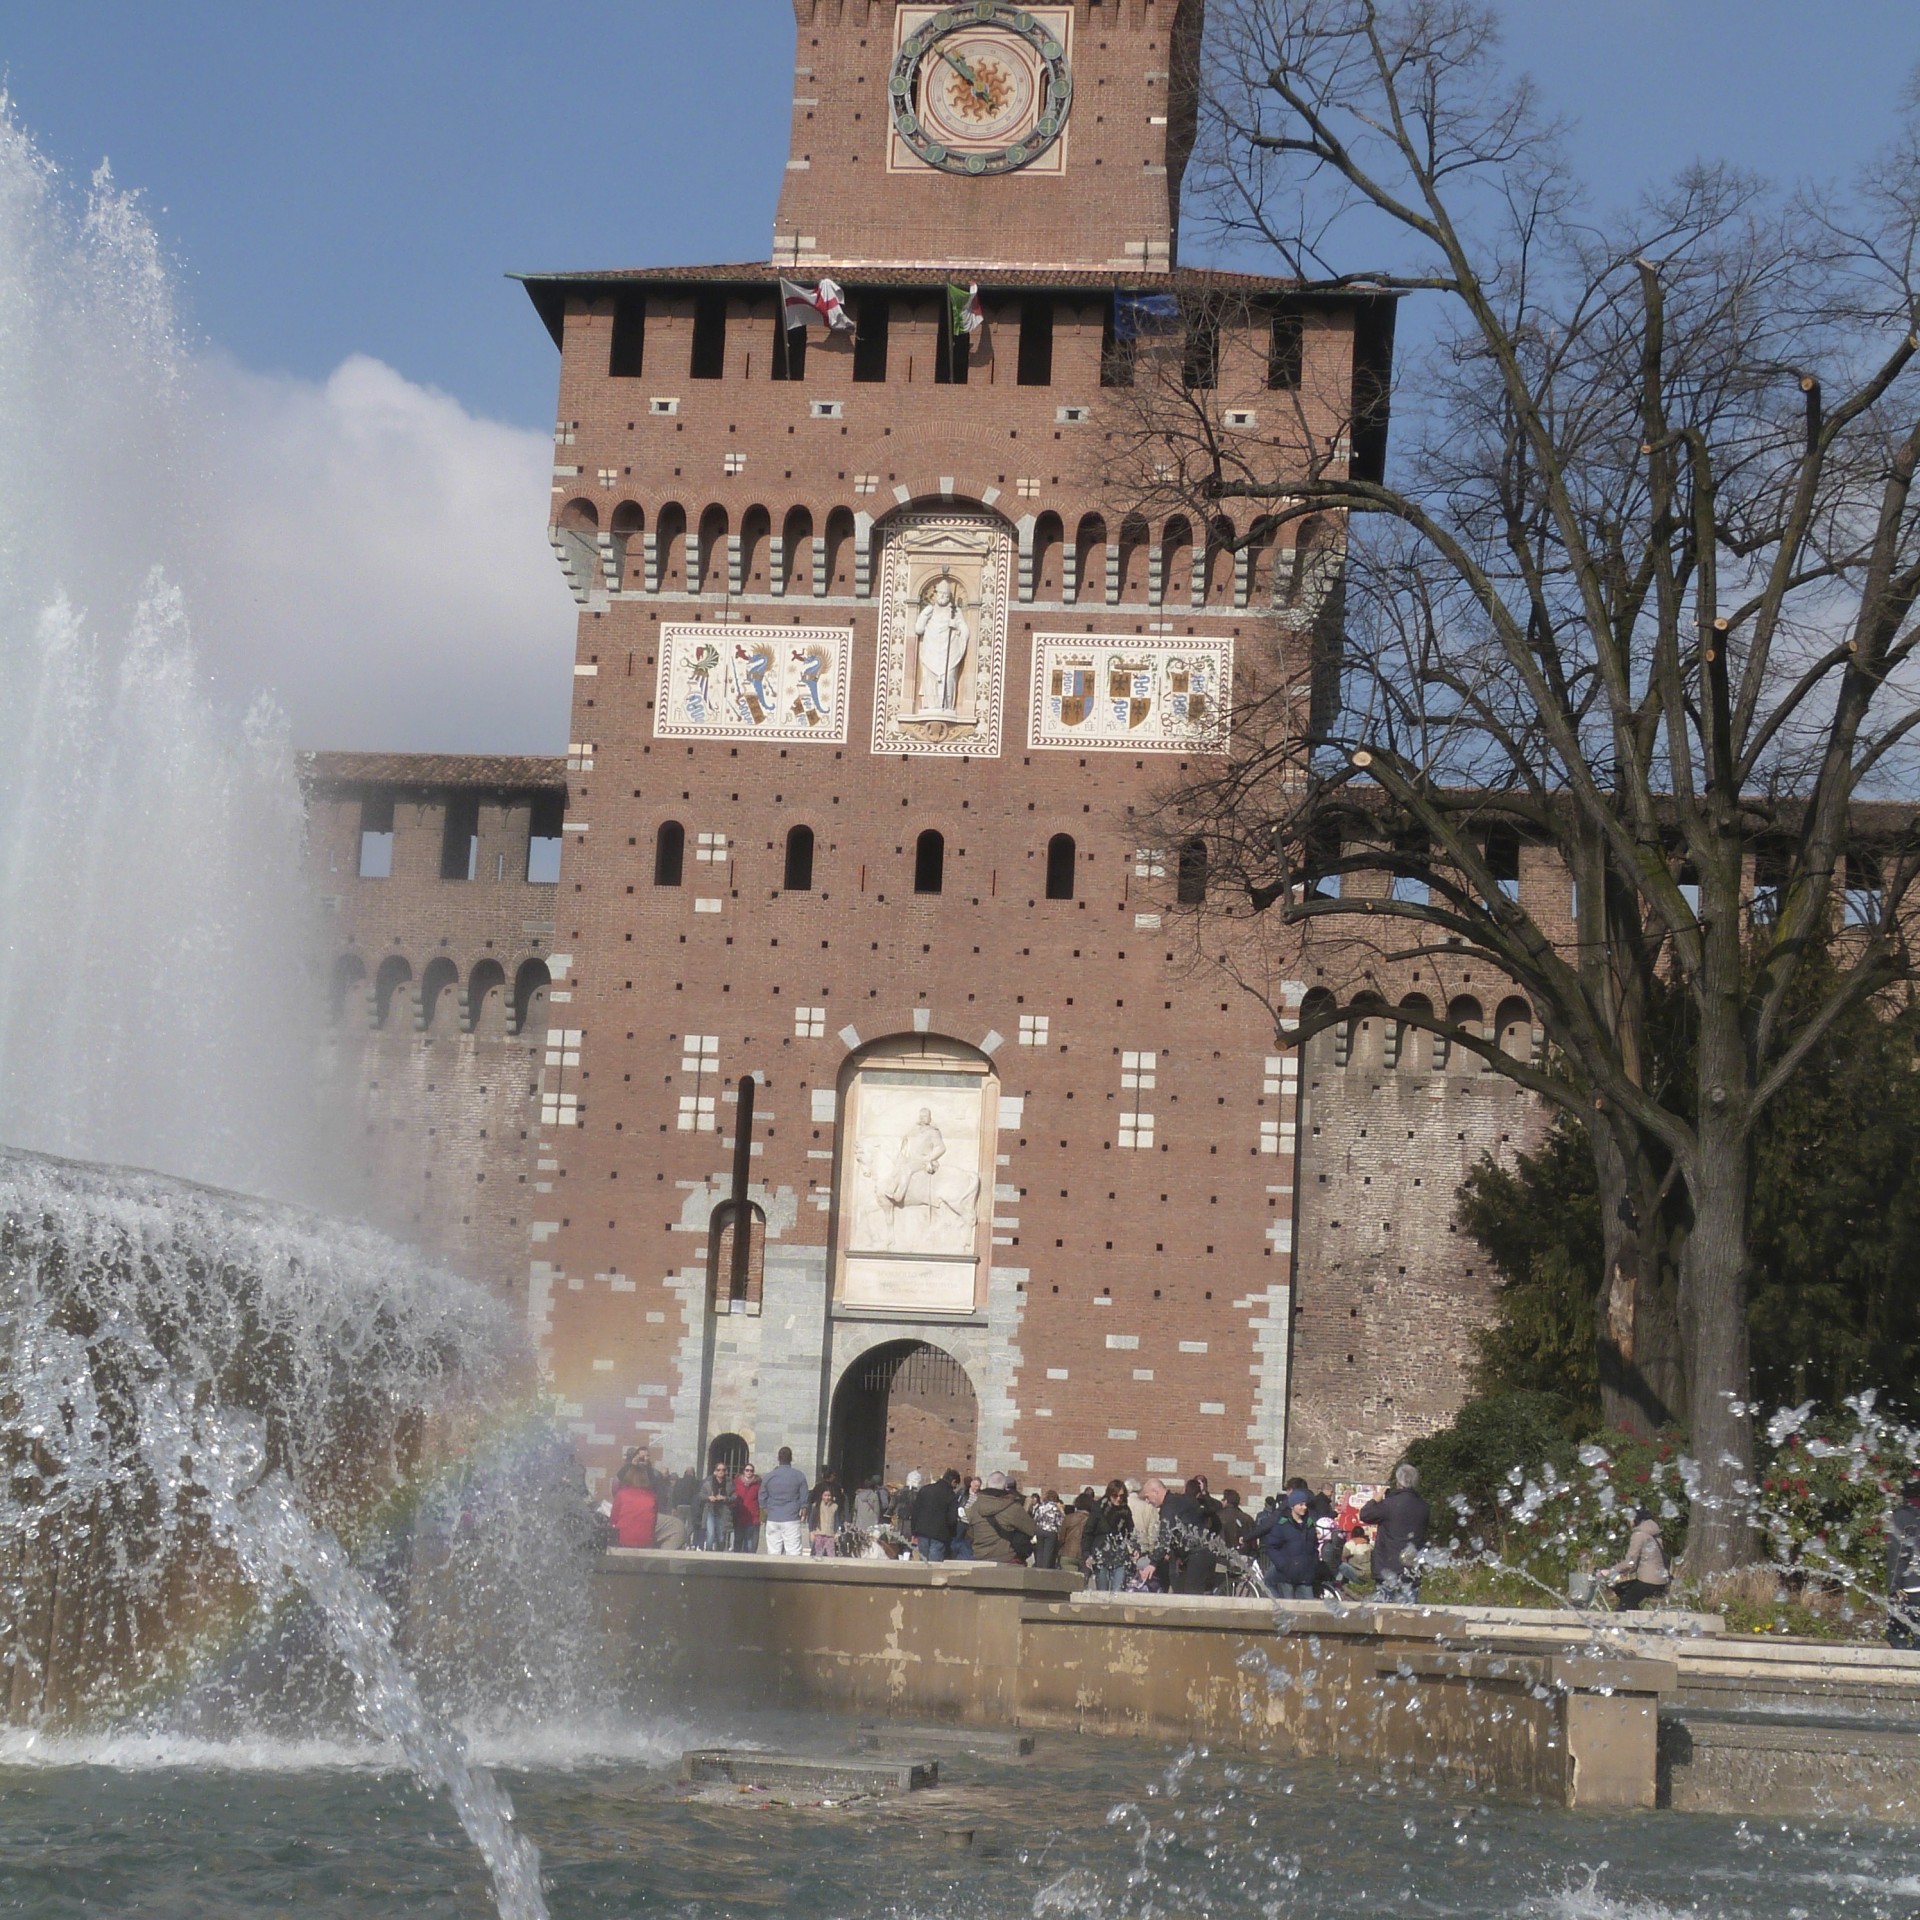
x=966, y=73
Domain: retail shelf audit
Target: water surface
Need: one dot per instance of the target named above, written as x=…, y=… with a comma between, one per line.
x=1084, y=1830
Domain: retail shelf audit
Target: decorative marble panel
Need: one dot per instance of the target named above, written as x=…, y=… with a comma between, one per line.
x=916, y=1155
x=1116, y=695
x=720, y=682
x=943, y=634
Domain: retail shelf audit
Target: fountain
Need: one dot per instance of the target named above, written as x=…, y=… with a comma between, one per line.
x=206, y=1399
x=279, y=1519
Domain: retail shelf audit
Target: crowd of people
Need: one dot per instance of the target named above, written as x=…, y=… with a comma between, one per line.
x=1133, y=1536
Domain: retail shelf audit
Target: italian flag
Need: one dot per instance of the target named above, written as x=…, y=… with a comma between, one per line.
x=963, y=304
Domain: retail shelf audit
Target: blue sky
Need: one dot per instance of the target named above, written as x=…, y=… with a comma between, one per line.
x=342, y=187
x=356, y=177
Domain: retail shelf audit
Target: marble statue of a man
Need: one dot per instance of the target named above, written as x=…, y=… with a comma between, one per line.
x=943, y=637
x=922, y=1149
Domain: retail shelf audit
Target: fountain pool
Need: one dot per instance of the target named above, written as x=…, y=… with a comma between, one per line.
x=1084, y=1830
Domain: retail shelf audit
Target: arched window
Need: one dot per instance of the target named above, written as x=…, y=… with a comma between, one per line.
x=1048, y=539
x=714, y=528
x=1366, y=1034
x=734, y=1292
x=799, y=860
x=1090, y=560
x=487, y=999
x=756, y=529
x=796, y=550
x=669, y=853
x=394, y=974
x=1465, y=1012
x=1191, y=887
x=1327, y=1042
x=1136, y=542
x=930, y=861
x=1220, y=560
x=1060, y=851
x=1176, y=563
x=442, y=977
x=1412, y=1045
x=670, y=547
x=836, y=562
x=629, y=526
x=1513, y=1028
x=578, y=530
x=530, y=986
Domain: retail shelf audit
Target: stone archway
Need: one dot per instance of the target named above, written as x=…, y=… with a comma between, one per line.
x=901, y=1405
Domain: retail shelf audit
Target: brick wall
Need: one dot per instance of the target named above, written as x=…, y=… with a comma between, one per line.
x=439, y=989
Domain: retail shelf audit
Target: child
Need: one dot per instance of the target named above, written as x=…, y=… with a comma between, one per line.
x=1049, y=1516
x=1145, y=1577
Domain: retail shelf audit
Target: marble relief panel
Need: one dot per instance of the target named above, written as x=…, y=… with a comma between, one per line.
x=724, y=682
x=943, y=634
x=1140, y=695
x=916, y=1154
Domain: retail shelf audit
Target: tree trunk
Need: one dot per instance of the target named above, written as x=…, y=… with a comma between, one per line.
x=1642, y=1381
x=1713, y=1319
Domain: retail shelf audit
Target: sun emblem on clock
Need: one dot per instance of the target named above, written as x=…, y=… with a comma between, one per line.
x=981, y=88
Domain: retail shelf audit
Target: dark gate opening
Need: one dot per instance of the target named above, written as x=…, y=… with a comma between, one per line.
x=902, y=1406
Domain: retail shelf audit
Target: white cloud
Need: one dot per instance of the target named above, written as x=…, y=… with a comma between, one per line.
x=376, y=557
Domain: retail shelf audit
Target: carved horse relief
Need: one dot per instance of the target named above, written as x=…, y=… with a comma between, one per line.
x=907, y=1208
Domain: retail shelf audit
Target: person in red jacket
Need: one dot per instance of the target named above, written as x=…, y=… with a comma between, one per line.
x=746, y=1510
x=636, y=1507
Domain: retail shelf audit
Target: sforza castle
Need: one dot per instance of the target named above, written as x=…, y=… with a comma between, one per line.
x=819, y=1050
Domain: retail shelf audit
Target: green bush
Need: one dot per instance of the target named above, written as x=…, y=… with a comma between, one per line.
x=1523, y=1500
x=1827, y=1483
x=1494, y=1445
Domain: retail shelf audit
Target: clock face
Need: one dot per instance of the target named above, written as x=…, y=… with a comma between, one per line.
x=981, y=88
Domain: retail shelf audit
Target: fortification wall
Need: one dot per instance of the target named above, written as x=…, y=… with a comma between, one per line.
x=447, y=1028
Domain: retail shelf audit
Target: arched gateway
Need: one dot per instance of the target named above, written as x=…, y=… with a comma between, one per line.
x=902, y=1405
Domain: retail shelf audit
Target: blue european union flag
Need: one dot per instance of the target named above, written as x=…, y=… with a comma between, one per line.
x=1138, y=313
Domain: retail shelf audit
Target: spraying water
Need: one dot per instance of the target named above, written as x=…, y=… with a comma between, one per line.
x=154, y=1003
x=190, y=1380
x=198, y=1395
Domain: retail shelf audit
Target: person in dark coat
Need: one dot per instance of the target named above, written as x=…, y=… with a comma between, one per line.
x=1109, y=1544
x=1399, y=1520
x=1183, y=1543
x=900, y=1507
x=1236, y=1524
x=936, y=1518
x=1289, y=1548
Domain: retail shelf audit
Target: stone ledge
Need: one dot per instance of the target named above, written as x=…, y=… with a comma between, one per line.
x=975, y=1575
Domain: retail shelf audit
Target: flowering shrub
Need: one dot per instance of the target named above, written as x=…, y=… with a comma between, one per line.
x=1566, y=1517
x=1825, y=1484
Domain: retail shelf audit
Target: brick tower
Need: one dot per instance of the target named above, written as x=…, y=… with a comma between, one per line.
x=875, y=671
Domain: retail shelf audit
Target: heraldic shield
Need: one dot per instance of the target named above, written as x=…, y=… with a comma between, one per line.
x=1134, y=697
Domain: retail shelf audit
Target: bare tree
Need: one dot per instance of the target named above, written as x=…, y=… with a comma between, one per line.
x=1639, y=597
